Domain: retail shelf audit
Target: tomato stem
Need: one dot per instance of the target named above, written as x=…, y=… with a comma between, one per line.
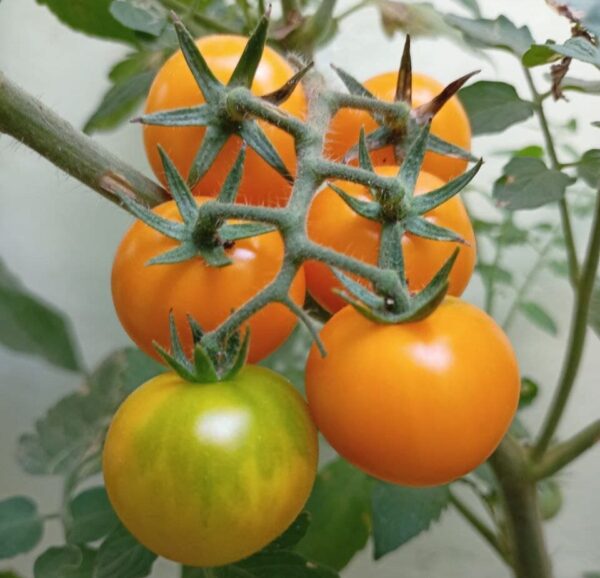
x=29, y=121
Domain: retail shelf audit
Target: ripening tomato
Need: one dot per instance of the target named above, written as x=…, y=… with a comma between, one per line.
x=175, y=87
x=451, y=124
x=417, y=404
x=207, y=474
x=144, y=295
x=333, y=224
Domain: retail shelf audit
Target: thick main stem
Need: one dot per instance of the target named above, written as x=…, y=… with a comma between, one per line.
x=528, y=552
x=27, y=120
x=577, y=337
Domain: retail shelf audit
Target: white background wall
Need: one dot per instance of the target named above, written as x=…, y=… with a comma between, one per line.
x=59, y=237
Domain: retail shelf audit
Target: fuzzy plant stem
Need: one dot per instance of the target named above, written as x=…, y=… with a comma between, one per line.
x=28, y=121
x=528, y=552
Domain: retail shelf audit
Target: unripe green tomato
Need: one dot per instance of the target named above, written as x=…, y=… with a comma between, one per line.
x=208, y=474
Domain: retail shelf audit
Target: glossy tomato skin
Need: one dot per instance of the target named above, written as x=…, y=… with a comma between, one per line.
x=144, y=295
x=451, y=124
x=333, y=224
x=207, y=474
x=175, y=87
x=416, y=404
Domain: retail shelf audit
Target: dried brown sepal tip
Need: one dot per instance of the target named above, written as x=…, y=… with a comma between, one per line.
x=404, y=82
x=427, y=111
x=280, y=95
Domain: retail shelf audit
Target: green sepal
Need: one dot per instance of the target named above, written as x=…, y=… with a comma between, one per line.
x=245, y=70
x=229, y=190
x=229, y=233
x=411, y=165
x=168, y=228
x=184, y=252
x=429, y=201
x=421, y=305
x=375, y=140
x=368, y=209
x=204, y=365
x=364, y=158
x=428, y=230
x=257, y=140
x=239, y=357
x=207, y=82
x=213, y=141
x=215, y=256
x=354, y=288
x=353, y=85
x=194, y=116
x=186, y=204
x=280, y=95
x=437, y=145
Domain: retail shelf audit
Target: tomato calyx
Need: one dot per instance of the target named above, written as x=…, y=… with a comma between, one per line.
x=398, y=129
x=198, y=235
x=219, y=114
x=400, y=212
x=205, y=365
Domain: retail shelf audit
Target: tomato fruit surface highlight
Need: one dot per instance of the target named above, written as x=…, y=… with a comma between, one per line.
x=175, y=87
x=451, y=124
x=144, y=295
x=207, y=474
x=417, y=404
x=331, y=222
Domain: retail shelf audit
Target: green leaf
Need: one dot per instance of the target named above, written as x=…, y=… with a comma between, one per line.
x=587, y=12
x=401, y=513
x=580, y=85
x=472, y=6
x=416, y=19
x=533, y=151
x=148, y=16
x=539, y=54
x=591, y=575
x=588, y=168
x=529, y=391
x=21, y=526
x=72, y=432
x=559, y=268
x=539, y=316
x=91, y=17
x=527, y=183
x=29, y=325
x=579, y=48
x=91, y=516
x=9, y=574
x=494, y=274
x=65, y=562
x=292, y=535
x=340, y=511
x=122, y=556
x=500, y=33
x=493, y=106
x=121, y=100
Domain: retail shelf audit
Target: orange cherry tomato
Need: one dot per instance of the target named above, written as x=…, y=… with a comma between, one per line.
x=175, y=87
x=418, y=404
x=450, y=124
x=333, y=224
x=144, y=295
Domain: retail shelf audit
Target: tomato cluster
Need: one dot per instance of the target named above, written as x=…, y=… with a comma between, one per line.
x=191, y=468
